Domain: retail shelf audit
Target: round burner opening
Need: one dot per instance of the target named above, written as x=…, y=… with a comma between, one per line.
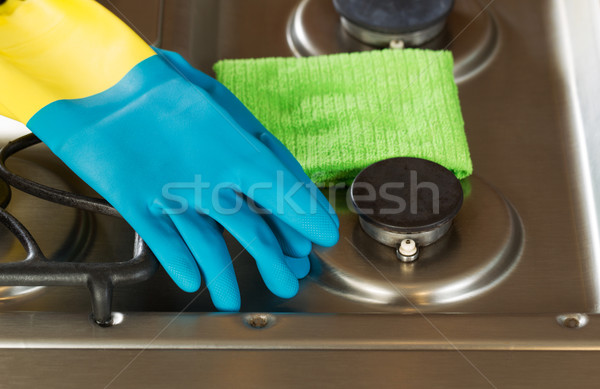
x=380, y=22
x=316, y=28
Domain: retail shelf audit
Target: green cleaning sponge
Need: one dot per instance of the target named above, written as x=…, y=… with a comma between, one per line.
x=340, y=113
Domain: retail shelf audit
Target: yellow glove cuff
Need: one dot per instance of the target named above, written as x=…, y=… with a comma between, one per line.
x=61, y=49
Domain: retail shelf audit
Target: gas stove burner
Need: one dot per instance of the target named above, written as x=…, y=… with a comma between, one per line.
x=410, y=199
x=453, y=268
x=20, y=277
x=380, y=22
x=315, y=28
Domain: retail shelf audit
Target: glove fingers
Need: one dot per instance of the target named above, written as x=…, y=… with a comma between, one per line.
x=206, y=243
x=171, y=251
x=251, y=230
x=289, y=200
x=288, y=159
x=247, y=121
x=299, y=266
x=295, y=247
x=292, y=243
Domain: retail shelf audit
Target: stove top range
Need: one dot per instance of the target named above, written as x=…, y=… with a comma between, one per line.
x=508, y=297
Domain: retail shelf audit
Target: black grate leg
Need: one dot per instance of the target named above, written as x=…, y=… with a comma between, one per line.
x=101, y=292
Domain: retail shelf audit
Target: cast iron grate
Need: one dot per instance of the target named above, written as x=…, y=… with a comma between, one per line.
x=37, y=270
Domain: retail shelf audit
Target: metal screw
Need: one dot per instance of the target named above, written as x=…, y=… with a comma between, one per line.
x=259, y=320
x=407, y=251
x=573, y=320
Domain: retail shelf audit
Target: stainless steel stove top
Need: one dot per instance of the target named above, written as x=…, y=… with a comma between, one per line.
x=480, y=311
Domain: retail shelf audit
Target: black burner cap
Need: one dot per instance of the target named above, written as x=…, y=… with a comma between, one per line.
x=394, y=16
x=407, y=195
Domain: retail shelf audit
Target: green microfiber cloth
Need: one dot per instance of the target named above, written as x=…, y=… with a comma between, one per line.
x=340, y=113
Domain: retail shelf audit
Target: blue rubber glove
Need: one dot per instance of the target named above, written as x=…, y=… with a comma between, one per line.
x=158, y=148
x=178, y=159
x=295, y=247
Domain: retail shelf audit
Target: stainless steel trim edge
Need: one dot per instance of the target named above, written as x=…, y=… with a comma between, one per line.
x=300, y=332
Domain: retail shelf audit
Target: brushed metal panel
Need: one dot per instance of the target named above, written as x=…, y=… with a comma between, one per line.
x=293, y=369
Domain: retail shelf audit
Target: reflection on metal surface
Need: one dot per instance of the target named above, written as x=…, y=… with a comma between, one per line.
x=314, y=28
x=10, y=293
x=116, y=319
x=576, y=36
x=455, y=268
x=192, y=28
